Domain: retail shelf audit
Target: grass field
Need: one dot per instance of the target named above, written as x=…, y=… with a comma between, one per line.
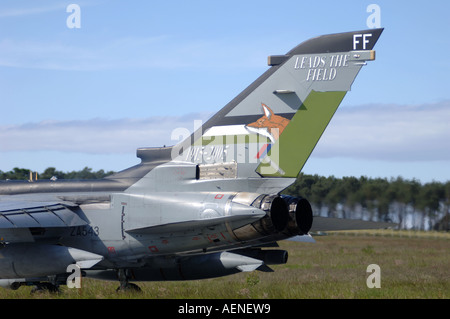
x=413, y=265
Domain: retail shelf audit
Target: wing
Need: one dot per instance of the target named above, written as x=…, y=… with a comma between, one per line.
x=20, y=221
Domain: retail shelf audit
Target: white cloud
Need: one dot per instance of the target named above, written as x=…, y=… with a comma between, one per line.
x=389, y=132
x=376, y=132
x=30, y=8
x=27, y=11
x=96, y=136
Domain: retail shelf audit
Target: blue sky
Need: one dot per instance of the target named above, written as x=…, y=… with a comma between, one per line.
x=137, y=70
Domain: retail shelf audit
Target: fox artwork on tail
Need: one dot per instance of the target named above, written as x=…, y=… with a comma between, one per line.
x=271, y=123
x=270, y=126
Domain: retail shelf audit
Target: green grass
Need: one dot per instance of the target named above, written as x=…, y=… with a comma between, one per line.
x=335, y=267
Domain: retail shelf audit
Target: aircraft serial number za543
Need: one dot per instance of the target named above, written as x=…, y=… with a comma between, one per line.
x=85, y=231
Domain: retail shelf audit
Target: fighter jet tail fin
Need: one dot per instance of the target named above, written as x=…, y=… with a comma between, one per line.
x=271, y=128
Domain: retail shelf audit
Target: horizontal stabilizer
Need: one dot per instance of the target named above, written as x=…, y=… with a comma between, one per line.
x=195, y=224
x=330, y=224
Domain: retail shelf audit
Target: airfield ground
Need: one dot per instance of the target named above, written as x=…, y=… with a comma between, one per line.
x=413, y=265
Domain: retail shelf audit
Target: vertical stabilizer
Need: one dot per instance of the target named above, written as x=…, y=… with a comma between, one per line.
x=271, y=128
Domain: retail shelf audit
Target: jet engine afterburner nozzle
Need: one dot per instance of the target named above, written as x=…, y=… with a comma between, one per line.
x=274, y=222
x=277, y=210
x=301, y=215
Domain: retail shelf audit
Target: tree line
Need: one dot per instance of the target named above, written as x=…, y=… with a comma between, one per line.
x=51, y=173
x=409, y=203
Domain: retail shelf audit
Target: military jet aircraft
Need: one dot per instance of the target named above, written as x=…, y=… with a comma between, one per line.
x=209, y=206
